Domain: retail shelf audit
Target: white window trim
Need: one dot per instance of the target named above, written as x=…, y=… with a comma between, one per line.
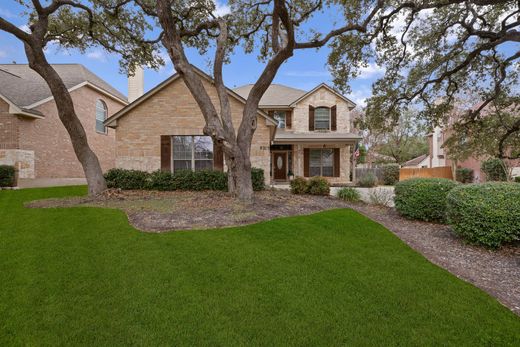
x=330, y=119
x=105, y=109
x=193, y=160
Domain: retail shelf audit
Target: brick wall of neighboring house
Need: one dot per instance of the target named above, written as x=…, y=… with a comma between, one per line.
x=8, y=128
x=321, y=97
x=53, y=152
x=173, y=111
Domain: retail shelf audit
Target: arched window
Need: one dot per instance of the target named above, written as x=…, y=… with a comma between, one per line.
x=101, y=115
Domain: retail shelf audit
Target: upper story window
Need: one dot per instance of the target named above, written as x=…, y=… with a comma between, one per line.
x=192, y=153
x=281, y=118
x=322, y=118
x=101, y=115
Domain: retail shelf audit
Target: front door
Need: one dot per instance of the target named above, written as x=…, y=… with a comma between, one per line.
x=280, y=165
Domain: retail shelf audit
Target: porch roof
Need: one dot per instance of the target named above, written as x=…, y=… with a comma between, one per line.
x=285, y=137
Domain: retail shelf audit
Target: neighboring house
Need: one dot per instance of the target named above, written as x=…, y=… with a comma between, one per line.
x=304, y=133
x=32, y=137
x=422, y=161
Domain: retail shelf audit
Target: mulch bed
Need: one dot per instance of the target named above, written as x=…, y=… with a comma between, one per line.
x=496, y=272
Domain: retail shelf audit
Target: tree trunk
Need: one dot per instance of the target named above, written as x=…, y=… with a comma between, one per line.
x=240, y=183
x=67, y=114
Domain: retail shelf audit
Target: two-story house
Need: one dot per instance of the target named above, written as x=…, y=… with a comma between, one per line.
x=32, y=137
x=303, y=133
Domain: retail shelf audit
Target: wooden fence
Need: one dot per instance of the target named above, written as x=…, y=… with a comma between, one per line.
x=438, y=172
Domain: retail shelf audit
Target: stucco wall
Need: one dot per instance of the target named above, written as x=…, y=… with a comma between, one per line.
x=321, y=97
x=173, y=111
x=53, y=153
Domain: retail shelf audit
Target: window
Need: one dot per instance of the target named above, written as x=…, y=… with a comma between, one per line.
x=322, y=118
x=280, y=117
x=192, y=153
x=321, y=162
x=101, y=115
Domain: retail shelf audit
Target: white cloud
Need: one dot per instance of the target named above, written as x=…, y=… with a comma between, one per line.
x=221, y=9
x=370, y=71
x=97, y=55
x=360, y=95
x=307, y=73
x=25, y=28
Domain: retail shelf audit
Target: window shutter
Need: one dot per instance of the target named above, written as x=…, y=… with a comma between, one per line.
x=333, y=118
x=311, y=118
x=218, y=157
x=336, y=162
x=166, y=153
x=306, y=155
x=288, y=119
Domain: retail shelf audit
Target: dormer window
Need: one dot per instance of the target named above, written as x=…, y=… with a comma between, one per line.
x=322, y=118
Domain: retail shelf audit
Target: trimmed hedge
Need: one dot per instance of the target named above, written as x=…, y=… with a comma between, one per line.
x=390, y=174
x=485, y=214
x=298, y=185
x=7, y=176
x=348, y=194
x=318, y=186
x=423, y=198
x=464, y=175
x=180, y=180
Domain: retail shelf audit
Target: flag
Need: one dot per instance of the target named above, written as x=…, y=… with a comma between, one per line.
x=356, y=150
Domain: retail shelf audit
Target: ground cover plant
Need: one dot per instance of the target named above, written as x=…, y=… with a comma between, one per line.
x=84, y=276
x=349, y=194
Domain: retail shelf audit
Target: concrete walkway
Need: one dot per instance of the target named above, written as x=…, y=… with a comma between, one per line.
x=50, y=182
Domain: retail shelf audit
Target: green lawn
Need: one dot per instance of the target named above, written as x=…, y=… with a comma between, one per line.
x=83, y=276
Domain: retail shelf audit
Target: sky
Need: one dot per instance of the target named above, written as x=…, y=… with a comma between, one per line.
x=305, y=70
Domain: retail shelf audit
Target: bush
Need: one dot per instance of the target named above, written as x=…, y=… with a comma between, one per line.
x=380, y=196
x=423, y=198
x=517, y=179
x=464, y=175
x=486, y=214
x=7, y=176
x=368, y=181
x=390, y=174
x=494, y=169
x=299, y=185
x=318, y=186
x=126, y=179
x=257, y=175
x=349, y=194
x=180, y=180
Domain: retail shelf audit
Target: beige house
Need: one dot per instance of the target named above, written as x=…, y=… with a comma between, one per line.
x=32, y=137
x=298, y=132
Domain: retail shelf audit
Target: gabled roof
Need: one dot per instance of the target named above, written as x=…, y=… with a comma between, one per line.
x=112, y=121
x=329, y=88
x=416, y=161
x=276, y=95
x=26, y=89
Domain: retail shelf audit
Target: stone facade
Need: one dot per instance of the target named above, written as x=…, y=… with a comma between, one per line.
x=22, y=160
x=173, y=111
x=49, y=142
x=344, y=153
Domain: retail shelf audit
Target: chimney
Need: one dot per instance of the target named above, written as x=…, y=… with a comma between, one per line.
x=136, y=84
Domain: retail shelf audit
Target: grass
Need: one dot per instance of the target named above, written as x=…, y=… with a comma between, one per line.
x=83, y=276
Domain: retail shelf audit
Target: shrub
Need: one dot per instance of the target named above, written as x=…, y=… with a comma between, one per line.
x=126, y=179
x=318, y=186
x=368, y=181
x=180, y=180
x=423, y=198
x=517, y=179
x=390, y=174
x=349, y=194
x=299, y=185
x=380, y=196
x=257, y=175
x=494, y=169
x=486, y=214
x=7, y=176
x=464, y=175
